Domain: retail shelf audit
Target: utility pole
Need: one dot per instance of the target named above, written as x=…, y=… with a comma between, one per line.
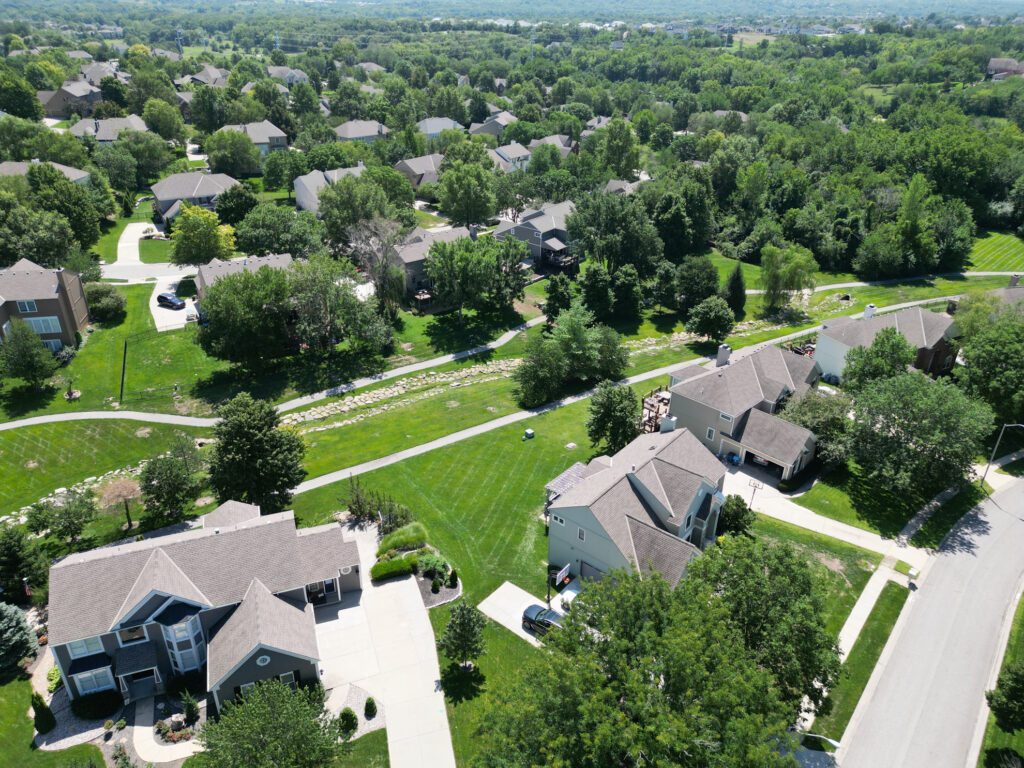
x=277, y=42
x=994, y=449
x=124, y=366
x=178, y=40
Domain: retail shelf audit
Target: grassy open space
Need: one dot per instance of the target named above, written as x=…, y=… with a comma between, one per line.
x=938, y=525
x=845, y=495
x=16, y=732
x=997, y=252
x=110, y=232
x=861, y=661
x=1015, y=468
x=428, y=220
x=35, y=460
x=369, y=751
x=998, y=743
x=154, y=251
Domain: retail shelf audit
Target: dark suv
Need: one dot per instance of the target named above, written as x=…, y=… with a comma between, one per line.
x=541, y=619
x=170, y=300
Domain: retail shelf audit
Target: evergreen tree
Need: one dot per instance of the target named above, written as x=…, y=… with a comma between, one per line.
x=24, y=356
x=463, y=638
x=16, y=641
x=735, y=291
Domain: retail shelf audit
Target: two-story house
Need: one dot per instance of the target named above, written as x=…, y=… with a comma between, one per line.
x=543, y=230
x=234, y=597
x=511, y=157
x=51, y=301
x=414, y=249
x=431, y=127
x=265, y=135
x=289, y=75
x=74, y=97
x=420, y=170
x=653, y=506
x=494, y=125
x=730, y=407
x=107, y=130
x=308, y=187
x=195, y=188
x=564, y=144
x=215, y=269
x=367, y=131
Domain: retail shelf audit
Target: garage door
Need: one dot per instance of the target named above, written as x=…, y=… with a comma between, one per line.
x=587, y=571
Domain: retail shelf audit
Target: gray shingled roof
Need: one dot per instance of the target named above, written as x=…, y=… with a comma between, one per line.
x=210, y=273
x=284, y=72
x=658, y=551
x=417, y=243
x=261, y=620
x=184, y=186
x=425, y=167
x=281, y=88
x=919, y=326
x=773, y=438
x=559, y=141
x=568, y=480
x=135, y=658
x=26, y=280
x=108, y=129
x=361, y=129
x=16, y=168
x=230, y=514
x=260, y=133
x=430, y=125
x=87, y=589
x=323, y=550
x=159, y=574
x=79, y=88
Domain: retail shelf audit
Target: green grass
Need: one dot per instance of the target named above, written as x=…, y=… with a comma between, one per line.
x=844, y=569
x=939, y=524
x=35, y=460
x=998, y=743
x=154, y=251
x=110, y=233
x=902, y=567
x=16, y=732
x=845, y=495
x=428, y=220
x=1015, y=468
x=861, y=661
x=997, y=252
x=369, y=751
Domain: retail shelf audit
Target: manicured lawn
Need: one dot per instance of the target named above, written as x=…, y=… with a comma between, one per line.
x=106, y=246
x=938, y=525
x=35, y=460
x=428, y=220
x=369, y=751
x=998, y=743
x=844, y=495
x=997, y=252
x=155, y=251
x=16, y=731
x=725, y=266
x=844, y=568
x=861, y=661
x=1015, y=468
x=424, y=336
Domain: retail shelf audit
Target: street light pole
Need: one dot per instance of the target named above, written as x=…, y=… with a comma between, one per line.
x=994, y=449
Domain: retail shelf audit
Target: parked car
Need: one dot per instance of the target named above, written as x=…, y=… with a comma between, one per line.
x=540, y=619
x=170, y=300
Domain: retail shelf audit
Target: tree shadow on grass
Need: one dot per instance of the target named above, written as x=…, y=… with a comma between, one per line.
x=448, y=333
x=25, y=399
x=462, y=684
x=887, y=510
x=1001, y=758
x=664, y=322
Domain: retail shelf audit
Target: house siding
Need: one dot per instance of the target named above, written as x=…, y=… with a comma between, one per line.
x=697, y=418
x=830, y=355
x=597, y=550
x=251, y=672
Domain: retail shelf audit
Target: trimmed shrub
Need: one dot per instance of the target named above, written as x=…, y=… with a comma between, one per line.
x=42, y=715
x=433, y=565
x=53, y=679
x=190, y=707
x=94, y=706
x=105, y=301
x=411, y=536
x=389, y=569
x=108, y=726
x=120, y=724
x=453, y=579
x=435, y=585
x=370, y=709
x=347, y=721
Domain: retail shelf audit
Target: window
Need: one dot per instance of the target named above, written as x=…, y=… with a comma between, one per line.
x=711, y=433
x=329, y=586
x=581, y=534
x=96, y=680
x=132, y=635
x=246, y=687
x=85, y=647
x=288, y=678
x=49, y=324
x=559, y=520
x=54, y=345
x=725, y=417
x=26, y=307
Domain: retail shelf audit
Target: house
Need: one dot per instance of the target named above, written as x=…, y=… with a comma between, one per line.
x=492, y=109
x=74, y=97
x=200, y=189
x=652, y=507
x=1004, y=67
x=369, y=67
x=289, y=75
x=744, y=117
x=96, y=71
x=51, y=301
x=307, y=188
x=494, y=125
x=361, y=130
x=265, y=135
x=500, y=84
x=106, y=131
x=431, y=127
x=79, y=55
x=731, y=407
x=928, y=332
x=169, y=55
x=208, y=75
x=620, y=187
x=594, y=124
x=235, y=597
x=420, y=169
x=15, y=168
x=511, y=157
x=544, y=231
x=564, y=144
x=414, y=249
x=185, y=104
x=210, y=273
x=248, y=88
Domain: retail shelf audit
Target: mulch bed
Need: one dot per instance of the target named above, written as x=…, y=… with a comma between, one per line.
x=433, y=599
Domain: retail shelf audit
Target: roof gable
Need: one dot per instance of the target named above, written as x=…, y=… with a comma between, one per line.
x=159, y=574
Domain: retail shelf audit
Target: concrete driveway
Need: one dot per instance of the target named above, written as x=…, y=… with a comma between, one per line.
x=165, y=318
x=381, y=640
x=506, y=605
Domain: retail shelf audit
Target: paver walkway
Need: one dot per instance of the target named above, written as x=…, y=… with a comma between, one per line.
x=144, y=738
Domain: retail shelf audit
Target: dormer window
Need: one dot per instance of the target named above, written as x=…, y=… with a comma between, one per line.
x=132, y=635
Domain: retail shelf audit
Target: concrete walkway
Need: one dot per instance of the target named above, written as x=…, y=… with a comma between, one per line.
x=895, y=280
x=506, y=604
x=144, y=738
x=128, y=243
x=150, y=418
x=865, y=603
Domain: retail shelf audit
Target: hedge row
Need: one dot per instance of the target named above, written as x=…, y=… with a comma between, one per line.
x=411, y=536
x=389, y=569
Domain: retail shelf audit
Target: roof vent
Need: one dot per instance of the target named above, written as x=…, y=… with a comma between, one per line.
x=633, y=468
x=216, y=530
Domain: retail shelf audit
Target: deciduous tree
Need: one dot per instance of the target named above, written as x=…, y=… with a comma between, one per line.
x=167, y=488
x=890, y=354
x=465, y=193
x=198, y=237
x=233, y=153
x=613, y=416
x=736, y=517
x=1007, y=700
x=247, y=317
x=785, y=272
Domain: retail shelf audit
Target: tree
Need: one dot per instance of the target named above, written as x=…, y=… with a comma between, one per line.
x=373, y=244
x=828, y=417
x=150, y=152
x=247, y=317
x=541, y=375
x=39, y=236
x=234, y=203
x=18, y=98
x=596, y=290
x=785, y=272
x=615, y=230
x=106, y=303
x=233, y=153
x=994, y=365
x=272, y=726
x=70, y=517
x=320, y=301
x=636, y=660
x=627, y=295
x=1007, y=700
x=208, y=108
x=281, y=169
x=712, y=319
x=119, y=165
x=621, y=154
x=696, y=280
x=463, y=638
x=736, y=517
x=253, y=459
x=458, y=274
x=147, y=83
x=890, y=354
x=24, y=356
x=613, y=416
x=167, y=487
x=21, y=563
x=304, y=99
x=16, y=641
x=909, y=431
x=735, y=291
x=774, y=600
x=198, y=237
x=52, y=191
x=664, y=287
x=348, y=202
x=464, y=193
x=165, y=120
x=271, y=228
x=560, y=295
x=121, y=490
x=506, y=278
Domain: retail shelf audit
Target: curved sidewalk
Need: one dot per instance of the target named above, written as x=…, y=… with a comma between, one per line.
x=144, y=738
x=150, y=418
x=895, y=280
